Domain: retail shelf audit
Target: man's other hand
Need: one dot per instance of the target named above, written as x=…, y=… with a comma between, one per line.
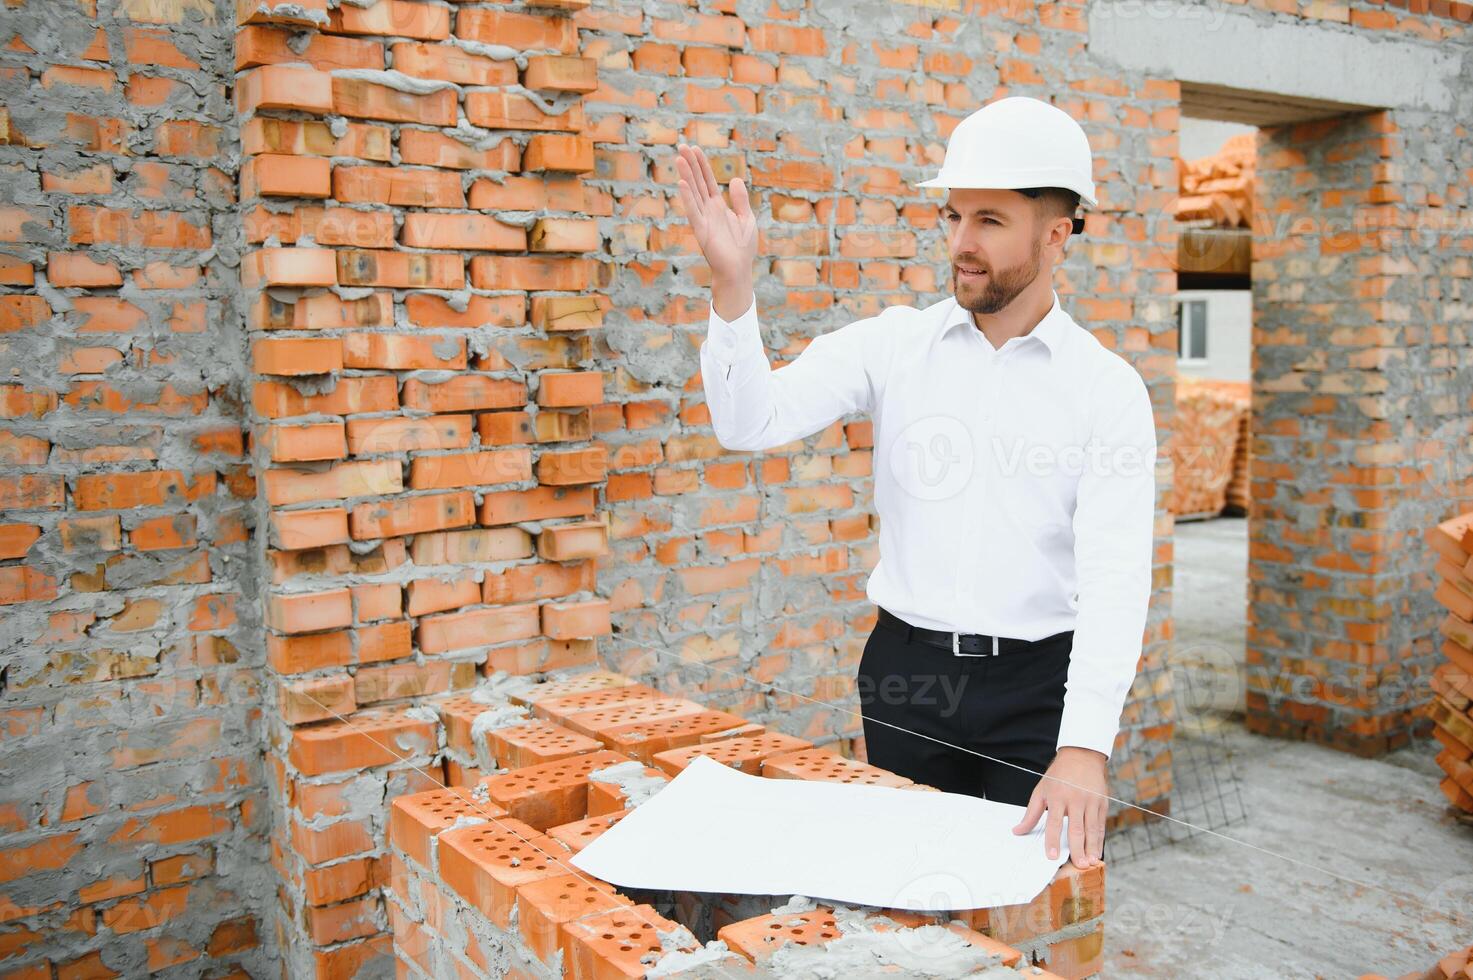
x=1074, y=787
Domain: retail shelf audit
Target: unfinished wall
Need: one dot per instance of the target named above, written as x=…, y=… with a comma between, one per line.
x=1361, y=418
x=131, y=831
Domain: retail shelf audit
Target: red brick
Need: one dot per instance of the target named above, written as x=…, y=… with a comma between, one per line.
x=282, y=87
x=296, y=357
x=398, y=186
x=485, y=865
x=517, y=30
x=604, y=945
x=573, y=541
x=280, y=175
x=515, y=506
x=461, y=231
x=411, y=515
x=477, y=628
x=433, y=148
x=310, y=528
x=289, y=267
x=353, y=479
x=544, y=906
x=573, y=466
x=80, y=269
x=306, y=612
x=571, y=388
x=449, y=63
x=464, y=393
x=393, y=18
x=470, y=469
x=297, y=443
x=398, y=435
x=558, y=152
x=403, y=270
x=369, y=100
x=508, y=110
x=308, y=137
x=352, y=395
x=370, y=738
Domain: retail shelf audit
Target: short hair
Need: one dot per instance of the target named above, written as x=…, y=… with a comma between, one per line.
x=1056, y=202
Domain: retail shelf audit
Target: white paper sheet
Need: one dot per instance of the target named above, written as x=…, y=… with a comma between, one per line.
x=716, y=829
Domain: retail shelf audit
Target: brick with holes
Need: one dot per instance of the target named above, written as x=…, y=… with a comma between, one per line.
x=536, y=742
x=415, y=820
x=762, y=936
x=557, y=709
x=744, y=754
x=580, y=833
x=624, y=943
x=597, y=722
x=643, y=739
x=543, y=906
x=552, y=793
x=829, y=767
x=593, y=680
x=485, y=865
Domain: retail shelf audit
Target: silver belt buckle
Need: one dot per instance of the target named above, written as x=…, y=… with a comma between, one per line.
x=956, y=647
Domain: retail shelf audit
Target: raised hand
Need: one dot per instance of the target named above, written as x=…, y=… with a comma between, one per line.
x=727, y=237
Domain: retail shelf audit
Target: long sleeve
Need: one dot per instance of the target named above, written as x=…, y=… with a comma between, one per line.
x=755, y=407
x=1113, y=548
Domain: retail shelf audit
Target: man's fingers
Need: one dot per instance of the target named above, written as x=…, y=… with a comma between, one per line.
x=693, y=212
x=1051, y=829
x=1031, y=815
x=691, y=174
x=1077, y=823
x=740, y=202
x=712, y=188
x=1095, y=832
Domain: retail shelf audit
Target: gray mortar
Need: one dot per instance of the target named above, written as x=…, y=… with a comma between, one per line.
x=632, y=781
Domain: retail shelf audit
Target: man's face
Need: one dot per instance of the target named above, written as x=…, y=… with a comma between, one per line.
x=998, y=233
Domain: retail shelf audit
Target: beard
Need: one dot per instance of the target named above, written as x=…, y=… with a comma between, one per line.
x=1000, y=287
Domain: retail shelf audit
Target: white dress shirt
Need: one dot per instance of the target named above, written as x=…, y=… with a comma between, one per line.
x=1015, y=486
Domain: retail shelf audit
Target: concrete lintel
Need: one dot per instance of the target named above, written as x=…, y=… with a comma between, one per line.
x=1250, y=52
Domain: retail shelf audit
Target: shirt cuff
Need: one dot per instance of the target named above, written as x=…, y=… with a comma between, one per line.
x=730, y=341
x=1089, y=726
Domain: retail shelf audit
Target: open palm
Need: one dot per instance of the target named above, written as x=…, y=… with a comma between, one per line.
x=727, y=237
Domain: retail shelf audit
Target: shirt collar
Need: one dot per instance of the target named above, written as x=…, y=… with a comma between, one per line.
x=1051, y=330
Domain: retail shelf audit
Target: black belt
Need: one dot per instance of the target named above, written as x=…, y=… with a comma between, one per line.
x=963, y=644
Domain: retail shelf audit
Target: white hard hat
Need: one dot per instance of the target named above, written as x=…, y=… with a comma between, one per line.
x=1018, y=142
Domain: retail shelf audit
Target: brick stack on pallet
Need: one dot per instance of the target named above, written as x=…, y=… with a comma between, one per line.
x=1219, y=188
x=1451, y=707
x=1209, y=448
x=480, y=883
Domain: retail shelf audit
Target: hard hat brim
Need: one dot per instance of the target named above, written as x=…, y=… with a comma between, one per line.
x=1005, y=184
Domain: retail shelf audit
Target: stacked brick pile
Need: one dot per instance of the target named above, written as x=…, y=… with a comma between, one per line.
x=1219, y=188
x=1451, y=707
x=480, y=884
x=1209, y=449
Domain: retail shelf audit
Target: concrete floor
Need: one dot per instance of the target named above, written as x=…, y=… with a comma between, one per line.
x=1211, y=907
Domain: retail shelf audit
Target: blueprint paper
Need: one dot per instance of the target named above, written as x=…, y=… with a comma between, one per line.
x=716, y=829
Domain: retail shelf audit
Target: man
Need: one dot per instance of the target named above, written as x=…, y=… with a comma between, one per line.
x=1014, y=477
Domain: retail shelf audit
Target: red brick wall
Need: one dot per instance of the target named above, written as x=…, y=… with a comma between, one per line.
x=1361, y=422
x=131, y=826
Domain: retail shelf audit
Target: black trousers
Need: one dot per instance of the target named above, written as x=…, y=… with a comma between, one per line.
x=1007, y=707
